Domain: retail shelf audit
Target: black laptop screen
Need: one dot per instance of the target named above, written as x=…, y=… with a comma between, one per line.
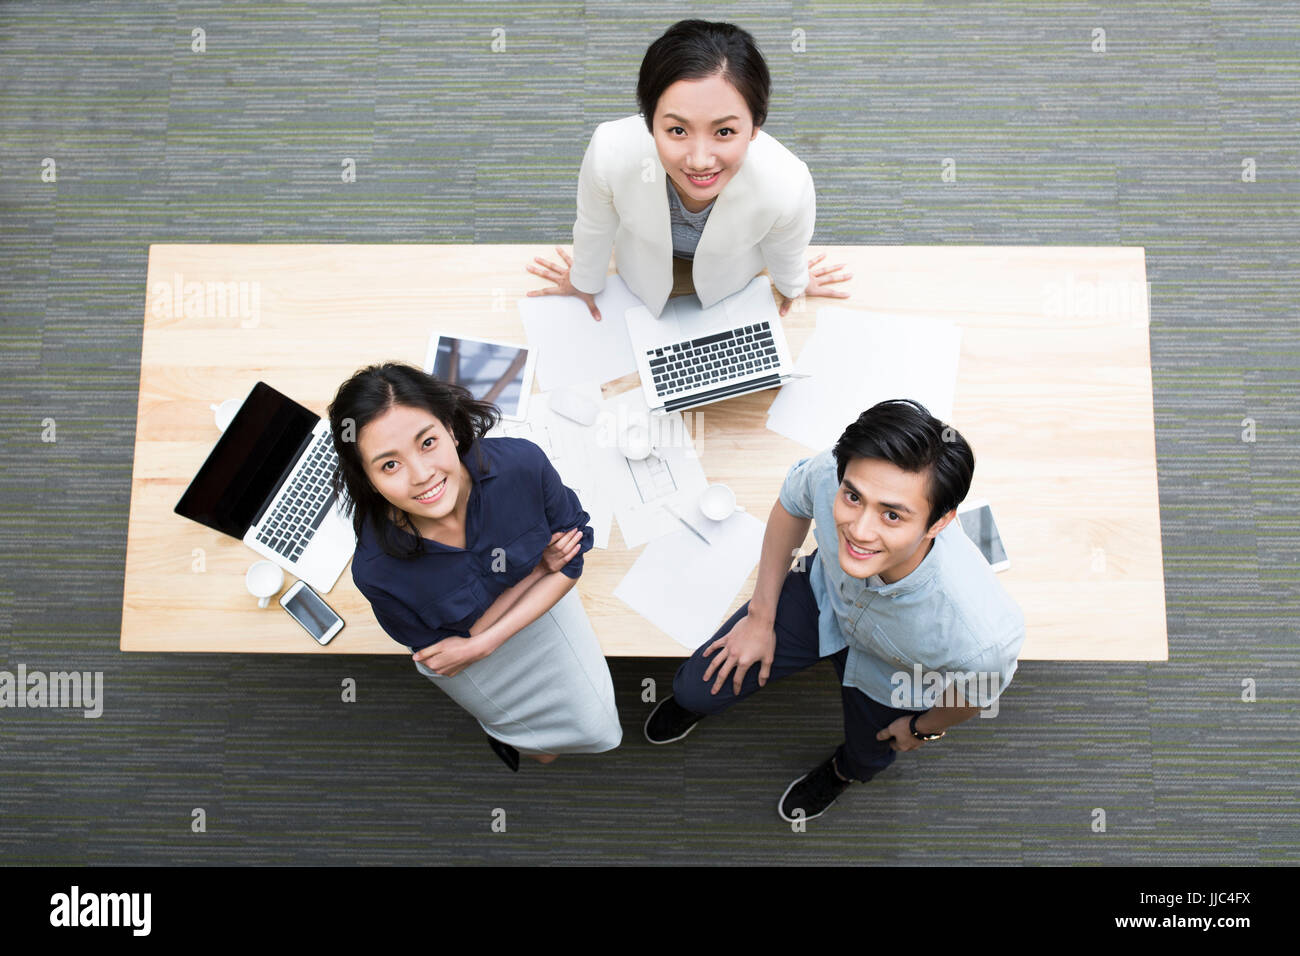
x=252, y=456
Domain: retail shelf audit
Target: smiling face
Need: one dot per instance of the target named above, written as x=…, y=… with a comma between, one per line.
x=408, y=452
x=702, y=127
x=880, y=519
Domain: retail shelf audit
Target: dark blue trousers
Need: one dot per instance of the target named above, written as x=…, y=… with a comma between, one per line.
x=861, y=756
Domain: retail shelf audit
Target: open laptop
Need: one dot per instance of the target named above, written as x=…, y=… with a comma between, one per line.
x=268, y=483
x=692, y=356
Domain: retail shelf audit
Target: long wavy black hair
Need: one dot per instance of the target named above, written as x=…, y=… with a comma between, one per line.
x=370, y=393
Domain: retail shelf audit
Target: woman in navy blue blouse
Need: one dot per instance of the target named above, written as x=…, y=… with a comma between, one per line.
x=468, y=549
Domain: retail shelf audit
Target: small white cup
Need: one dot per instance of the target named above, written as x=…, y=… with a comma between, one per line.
x=634, y=441
x=225, y=412
x=263, y=580
x=718, y=502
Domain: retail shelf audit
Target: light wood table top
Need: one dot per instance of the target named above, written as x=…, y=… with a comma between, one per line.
x=1053, y=394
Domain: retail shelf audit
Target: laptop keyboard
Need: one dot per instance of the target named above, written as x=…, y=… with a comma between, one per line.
x=303, y=506
x=712, y=358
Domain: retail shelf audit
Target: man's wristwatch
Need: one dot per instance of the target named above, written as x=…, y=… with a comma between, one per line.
x=920, y=736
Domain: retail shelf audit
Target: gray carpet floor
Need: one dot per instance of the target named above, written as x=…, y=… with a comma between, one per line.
x=1142, y=145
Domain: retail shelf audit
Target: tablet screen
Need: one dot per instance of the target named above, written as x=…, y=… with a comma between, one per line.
x=493, y=372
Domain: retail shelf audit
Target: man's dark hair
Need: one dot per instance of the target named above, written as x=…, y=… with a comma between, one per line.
x=694, y=49
x=903, y=433
x=370, y=393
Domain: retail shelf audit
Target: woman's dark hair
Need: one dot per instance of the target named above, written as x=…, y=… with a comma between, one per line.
x=370, y=393
x=694, y=49
x=903, y=433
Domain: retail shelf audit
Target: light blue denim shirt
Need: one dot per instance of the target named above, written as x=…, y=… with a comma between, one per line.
x=950, y=615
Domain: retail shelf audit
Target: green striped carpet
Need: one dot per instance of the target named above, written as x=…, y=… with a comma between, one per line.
x=1141, y=145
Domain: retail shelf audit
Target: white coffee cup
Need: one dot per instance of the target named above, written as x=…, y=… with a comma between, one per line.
x=718, y=502
x=634, y=440
x=225, y=412
x=263, y=580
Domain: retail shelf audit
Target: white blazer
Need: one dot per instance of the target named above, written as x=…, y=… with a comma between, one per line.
x=763, y=217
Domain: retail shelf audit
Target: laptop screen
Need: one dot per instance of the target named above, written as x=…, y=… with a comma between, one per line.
x=251, y=458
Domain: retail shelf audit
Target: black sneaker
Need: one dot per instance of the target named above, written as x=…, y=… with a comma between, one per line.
x=669, y=721
x=813, y=793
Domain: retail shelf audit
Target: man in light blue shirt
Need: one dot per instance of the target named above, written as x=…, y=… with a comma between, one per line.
x=921, y=633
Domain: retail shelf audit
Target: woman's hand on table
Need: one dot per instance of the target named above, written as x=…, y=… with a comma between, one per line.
x=560, y=276
x=451, y=655
x=564, y=547
x=820, y=282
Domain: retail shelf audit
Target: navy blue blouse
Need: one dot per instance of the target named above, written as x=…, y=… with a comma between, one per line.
x=517, y=501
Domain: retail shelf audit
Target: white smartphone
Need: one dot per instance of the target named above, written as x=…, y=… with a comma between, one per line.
x=310, y=610
x=976, y=517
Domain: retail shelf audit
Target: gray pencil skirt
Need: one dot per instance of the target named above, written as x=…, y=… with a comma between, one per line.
x=546, y=690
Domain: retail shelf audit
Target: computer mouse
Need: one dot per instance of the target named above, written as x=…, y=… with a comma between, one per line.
x=574, y=406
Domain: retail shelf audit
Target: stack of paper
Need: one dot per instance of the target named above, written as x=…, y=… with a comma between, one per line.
x=671, y=473
x=683, y=586
x=574, y=452
x=856, y=359
x=607, y=483
x=572, y=347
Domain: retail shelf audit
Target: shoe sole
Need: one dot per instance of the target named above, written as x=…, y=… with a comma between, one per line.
x=781, y=803
x=645, y=728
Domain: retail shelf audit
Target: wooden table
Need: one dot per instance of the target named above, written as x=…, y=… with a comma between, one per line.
x=1054, y=395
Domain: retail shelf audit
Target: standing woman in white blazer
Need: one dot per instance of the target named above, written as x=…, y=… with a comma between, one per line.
x=693, y=184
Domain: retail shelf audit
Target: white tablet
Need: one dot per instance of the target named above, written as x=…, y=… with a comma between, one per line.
x=496, y=372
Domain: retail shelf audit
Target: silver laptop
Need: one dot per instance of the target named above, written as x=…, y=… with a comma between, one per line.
x=268, y=482
x=692, y=356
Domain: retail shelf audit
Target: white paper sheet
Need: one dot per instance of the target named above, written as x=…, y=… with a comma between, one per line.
x=856, y=359
x=683, y=586
x=673, y=472
x=572, y=347
x=574, y=452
